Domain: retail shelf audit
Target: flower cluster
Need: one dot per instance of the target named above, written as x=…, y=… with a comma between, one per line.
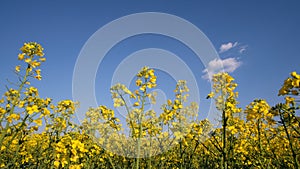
x=29, y=51
x=291, y=85
x=37, y=133
x=146, y=79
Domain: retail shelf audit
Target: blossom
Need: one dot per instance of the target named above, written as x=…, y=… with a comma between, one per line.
x=18, y=68
x=32, y=109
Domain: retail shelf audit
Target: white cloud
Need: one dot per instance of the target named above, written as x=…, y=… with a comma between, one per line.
x=243, y=49
x=227, y=46
x=218, y=65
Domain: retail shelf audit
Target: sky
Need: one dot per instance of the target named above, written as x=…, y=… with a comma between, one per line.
x=257, y=42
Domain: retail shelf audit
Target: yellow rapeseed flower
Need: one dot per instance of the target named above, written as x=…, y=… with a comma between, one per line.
x=138, y=82
x=38, y=77
x=56, y=164
x=38, y=122
x=31, y=109
x=13, y=117
x=136, y=104
x=42, y=59
x=21, y=56
x=210, y=95
x=18, y=68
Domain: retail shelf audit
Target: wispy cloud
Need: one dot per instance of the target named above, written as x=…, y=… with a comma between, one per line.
x=227, y=46
x=243, y=48
x=218, y=65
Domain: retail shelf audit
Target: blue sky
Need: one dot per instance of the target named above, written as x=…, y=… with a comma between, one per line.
x=257, y=41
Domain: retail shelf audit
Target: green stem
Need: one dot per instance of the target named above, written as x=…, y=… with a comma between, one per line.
x=128, y=111
x=14, y=104
x=290, y=141
x=224, y=151
x=140, y=130
x=111, y=163
x=259, y=142
x=149, y=158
